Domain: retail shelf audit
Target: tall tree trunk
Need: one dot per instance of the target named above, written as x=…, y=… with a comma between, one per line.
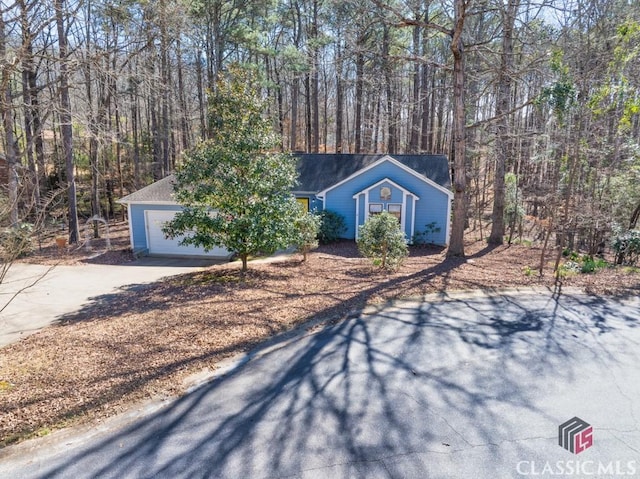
x=279, y=103
x=504, y=145
x=295, y=84
x=339, y=102
x=456, y=244
x=325, y=111
x=359, y=100
x=184, y=121
x=135, y=137
x=32, y=78
x=427, y=104
x=440, y=130
x=567, y=227
x=152, y=119
x=28, y=107
x=414, y=127
x=66, y=130
x=155, y=139
x=113, y=93
x=436, y=114
x=375, y=122
x=392, y=134
x=165, y=84
x=210, y=59
x=115, y=174
x=95, y=125
x=635, y=216
x=425, y=83
x=202, y=107
x=28, y=137
x=315, y=107
x=308, y=114
x=6, y=109
x=293, y=134
x=219, y=39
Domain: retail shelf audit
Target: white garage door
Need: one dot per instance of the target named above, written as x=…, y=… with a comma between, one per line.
x=158, y=244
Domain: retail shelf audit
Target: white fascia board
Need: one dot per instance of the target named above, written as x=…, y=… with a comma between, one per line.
x=387, y=180
x=173, y=203
x=396, y=163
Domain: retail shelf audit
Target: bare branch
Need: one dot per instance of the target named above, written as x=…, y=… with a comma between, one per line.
x=403, y=21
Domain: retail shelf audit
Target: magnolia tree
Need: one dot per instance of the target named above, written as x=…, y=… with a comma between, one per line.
x=235, y=187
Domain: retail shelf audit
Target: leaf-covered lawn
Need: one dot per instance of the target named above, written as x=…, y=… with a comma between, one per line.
x=145, y=341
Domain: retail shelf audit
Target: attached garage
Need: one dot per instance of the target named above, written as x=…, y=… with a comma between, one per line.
x=158, y=244
x=149, y=208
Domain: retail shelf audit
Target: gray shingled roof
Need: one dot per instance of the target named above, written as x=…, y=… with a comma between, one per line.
x=160, y=191
x=317, y=172
x=320, y=171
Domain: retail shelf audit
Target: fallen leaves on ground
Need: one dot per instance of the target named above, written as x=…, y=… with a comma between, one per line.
x=111, y=247
x=143, y=342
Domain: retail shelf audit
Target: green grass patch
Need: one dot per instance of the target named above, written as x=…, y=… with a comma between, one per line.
x=45, y=431
x=575, y=263
x=522, y=242
x=24, y=436
x=5, y=385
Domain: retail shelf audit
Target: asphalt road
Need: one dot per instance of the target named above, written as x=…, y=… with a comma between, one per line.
x=472, y=387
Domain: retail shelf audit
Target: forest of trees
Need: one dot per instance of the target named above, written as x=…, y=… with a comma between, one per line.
x=535, y=102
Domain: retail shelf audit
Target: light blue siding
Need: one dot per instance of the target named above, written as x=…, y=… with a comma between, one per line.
x=137, y=222
x=433, y=209
x=315, y=204
x=346, y=207
x=396, y=194
x=432, y=206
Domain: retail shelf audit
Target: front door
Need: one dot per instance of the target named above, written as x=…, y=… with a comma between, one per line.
x=387, y=196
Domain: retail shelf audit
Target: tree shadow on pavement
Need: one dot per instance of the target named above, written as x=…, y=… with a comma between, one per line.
x=372, y=394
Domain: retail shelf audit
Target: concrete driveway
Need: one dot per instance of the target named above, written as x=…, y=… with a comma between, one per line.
x=472, y=386
x=34, y=296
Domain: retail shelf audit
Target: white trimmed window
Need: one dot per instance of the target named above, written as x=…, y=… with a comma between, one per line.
x=395, y=209
x=375, y=209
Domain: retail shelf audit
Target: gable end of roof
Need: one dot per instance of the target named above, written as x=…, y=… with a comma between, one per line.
x=159, y=192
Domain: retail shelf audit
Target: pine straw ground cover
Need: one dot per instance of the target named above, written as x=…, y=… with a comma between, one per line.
x=148, y=339
x=88, y=250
